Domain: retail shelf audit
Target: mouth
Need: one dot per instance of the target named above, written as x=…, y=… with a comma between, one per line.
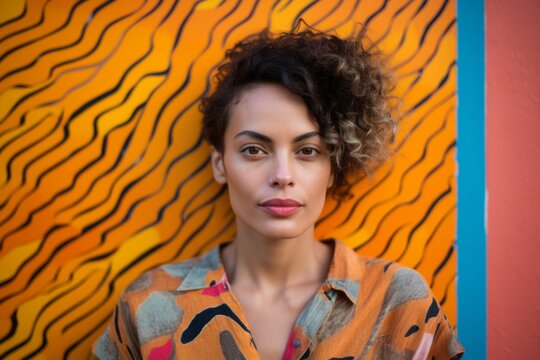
x=281, y=207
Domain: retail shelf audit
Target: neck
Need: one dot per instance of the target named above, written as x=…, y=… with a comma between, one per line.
x=258, y=262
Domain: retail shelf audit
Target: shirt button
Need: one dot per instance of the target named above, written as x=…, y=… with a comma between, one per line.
x=296, y=343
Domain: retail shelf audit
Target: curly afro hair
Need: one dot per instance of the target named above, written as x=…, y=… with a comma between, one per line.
x=344, y=85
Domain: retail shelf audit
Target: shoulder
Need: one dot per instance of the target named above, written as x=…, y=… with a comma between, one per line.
x=164, y=278
x=399, y=283
x=408, y=314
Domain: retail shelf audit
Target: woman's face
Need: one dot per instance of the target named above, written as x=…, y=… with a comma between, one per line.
x=273, y=151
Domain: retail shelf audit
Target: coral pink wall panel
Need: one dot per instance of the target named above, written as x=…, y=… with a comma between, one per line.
x=513, y=157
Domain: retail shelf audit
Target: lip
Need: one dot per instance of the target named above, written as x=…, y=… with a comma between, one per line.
x=281, y=207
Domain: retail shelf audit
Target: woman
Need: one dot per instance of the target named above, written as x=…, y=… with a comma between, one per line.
x=293, y=117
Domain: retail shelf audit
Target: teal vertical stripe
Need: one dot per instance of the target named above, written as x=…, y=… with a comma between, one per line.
x=471, y=227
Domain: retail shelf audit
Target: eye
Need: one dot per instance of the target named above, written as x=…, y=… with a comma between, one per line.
x=252, y=150
x=309, y=151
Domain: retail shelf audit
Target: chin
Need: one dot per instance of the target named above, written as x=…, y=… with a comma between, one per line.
x=282, y=231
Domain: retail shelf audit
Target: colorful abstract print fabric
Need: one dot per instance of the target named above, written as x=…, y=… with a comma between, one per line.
x=366, y=309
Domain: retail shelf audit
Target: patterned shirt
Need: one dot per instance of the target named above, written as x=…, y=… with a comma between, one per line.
x=367, y=308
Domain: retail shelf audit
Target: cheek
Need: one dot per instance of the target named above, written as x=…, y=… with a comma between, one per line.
x=243, y=183
x=319, y=182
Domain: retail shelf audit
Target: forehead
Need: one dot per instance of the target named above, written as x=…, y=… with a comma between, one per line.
x=270, y=108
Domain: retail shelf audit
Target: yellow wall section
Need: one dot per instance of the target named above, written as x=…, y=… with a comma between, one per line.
x=104, y=174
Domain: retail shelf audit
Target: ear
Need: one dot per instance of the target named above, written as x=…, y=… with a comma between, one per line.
x=218, y=167
x=330, y=180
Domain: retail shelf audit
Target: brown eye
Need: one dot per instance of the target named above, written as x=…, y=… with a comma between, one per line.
x=309, y=151
x=252, y=150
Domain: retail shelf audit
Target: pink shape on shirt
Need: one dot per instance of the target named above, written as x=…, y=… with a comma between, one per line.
x=218, y=288
x=289, y=349
x=161, y=352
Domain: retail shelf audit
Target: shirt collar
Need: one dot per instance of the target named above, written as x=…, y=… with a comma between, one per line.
x=344, y=273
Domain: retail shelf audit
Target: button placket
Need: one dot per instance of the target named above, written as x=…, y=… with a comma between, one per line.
x=312, y=317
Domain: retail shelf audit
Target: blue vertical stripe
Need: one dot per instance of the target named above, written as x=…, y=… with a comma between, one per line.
x=471, y=226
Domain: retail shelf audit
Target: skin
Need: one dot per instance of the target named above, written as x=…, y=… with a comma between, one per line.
x=274, y=265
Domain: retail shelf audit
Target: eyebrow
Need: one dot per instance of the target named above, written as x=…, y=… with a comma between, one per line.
x=265, y=138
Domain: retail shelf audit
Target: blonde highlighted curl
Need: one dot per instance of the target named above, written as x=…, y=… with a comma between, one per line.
x=344, y=85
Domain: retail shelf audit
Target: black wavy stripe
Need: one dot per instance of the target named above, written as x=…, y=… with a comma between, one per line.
x=103, y=155
x=270, y=14
x=49, y=233
x=217, y=235
x=96, y=100
x=187, y=240
x=49, y=303
x=349, y=17
x=92, y=330
x=201, y=191
x=229, y=13
x=42, y=37
x=58, y=164
x=386, y=176
x=409, y=169
x=40, y=21
x=76, y=306
x=128, y=141
x=47, y=86
x=442, y=264
x=88, y=228
x=240, y=23
x=285, y=6
x=147, y=253
x=432, y=21
x=446, y=288
x=23, y=133
x=442, y=82
x=302, y=12
x=104, y=218
x=184, y=23
x=418, y=123
x=15, y=19
x=388, y=243
x=30, y=146
x=357, y=202
x=70, y=186
x=432, y=234
x=399, y=205
x=21, y=100
x=136, y=203
x=170, y=140
x=406, y=29
x=419, y=73
x=428, y=212
x=99, y=41
x=208, y=202
x=14, y=324
x=400, y=188
x=155, y=124
x=391, y=22
x=437, y=45
x=328, y=14
x=36, y=157
x=118, y=276
x=100, y=38
x=377, y=12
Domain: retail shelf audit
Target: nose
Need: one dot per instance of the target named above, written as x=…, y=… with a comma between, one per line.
x=282, y=172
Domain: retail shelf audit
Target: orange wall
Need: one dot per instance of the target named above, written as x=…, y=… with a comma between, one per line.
x=513, y=172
